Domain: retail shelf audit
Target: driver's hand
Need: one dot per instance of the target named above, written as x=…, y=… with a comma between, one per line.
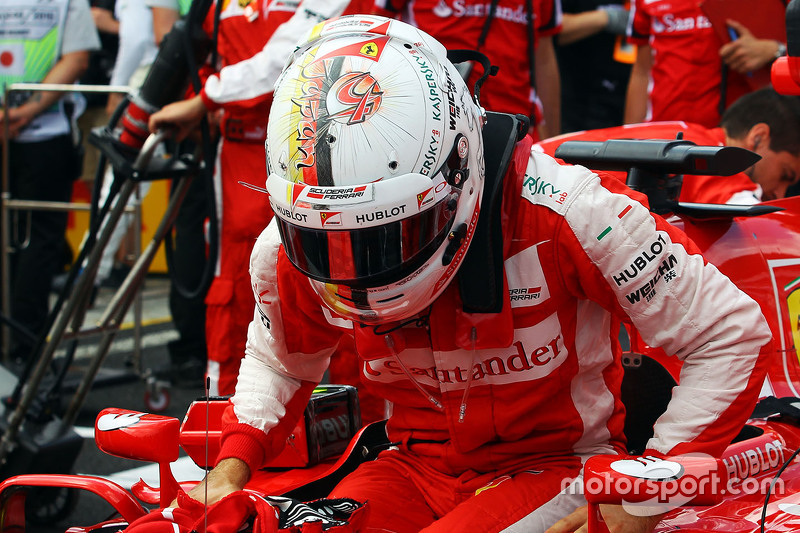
x=183, y=116
x=614, y=516
x=229, y=476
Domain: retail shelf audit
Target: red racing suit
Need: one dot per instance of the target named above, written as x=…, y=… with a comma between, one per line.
x=735, y=189
x=686, y=73
x=458, y=24
x=263, y=33
x=513, y=400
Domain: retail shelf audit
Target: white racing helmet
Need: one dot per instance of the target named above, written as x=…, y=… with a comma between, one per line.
x=375, y=163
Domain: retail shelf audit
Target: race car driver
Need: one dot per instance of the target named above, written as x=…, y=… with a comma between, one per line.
x=376, y=177
x=762, y=121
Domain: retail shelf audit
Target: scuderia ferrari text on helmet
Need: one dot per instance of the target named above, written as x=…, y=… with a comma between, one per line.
x=375, y=163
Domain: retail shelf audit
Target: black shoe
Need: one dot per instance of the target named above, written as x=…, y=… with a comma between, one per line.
x=187, y=374
x=16, y=365
x=58, y=282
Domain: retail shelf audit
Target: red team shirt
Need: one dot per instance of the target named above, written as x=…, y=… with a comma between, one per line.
x=687, y=70
x=244, y=29
x=255, y=50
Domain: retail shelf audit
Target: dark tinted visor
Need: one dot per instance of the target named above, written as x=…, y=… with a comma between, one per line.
x=367, y=257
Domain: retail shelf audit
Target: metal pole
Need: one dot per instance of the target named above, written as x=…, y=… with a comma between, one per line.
x=5, y=239
x=69, y=88
x=137, y=304
x=122, y=299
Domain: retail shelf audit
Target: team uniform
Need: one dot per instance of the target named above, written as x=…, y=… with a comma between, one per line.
x=489, y=424
x=458, y=25
x=243, y=31
x=376, y=175
x=735, y=189
x=686, y=74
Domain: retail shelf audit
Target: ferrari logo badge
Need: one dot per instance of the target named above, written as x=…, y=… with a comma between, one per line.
x=370, y=49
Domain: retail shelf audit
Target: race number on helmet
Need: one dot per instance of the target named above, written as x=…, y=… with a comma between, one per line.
x=375, y=162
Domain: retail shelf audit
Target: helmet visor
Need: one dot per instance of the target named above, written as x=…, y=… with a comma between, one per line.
x=367, y=257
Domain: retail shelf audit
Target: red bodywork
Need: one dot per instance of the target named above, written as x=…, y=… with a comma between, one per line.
x=762, y=256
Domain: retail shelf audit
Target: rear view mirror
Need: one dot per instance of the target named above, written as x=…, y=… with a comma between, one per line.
x=135, y=435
